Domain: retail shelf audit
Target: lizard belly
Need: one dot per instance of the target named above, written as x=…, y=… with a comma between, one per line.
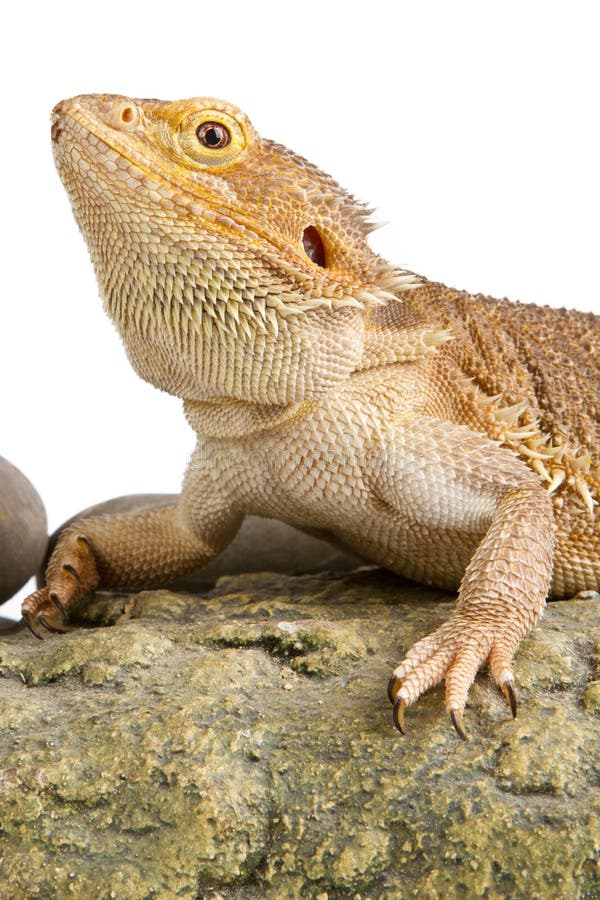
x=372, y=488
x=421, y=541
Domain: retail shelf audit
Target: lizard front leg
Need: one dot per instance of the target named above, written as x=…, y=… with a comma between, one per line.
x=504, y=587
x=128, y=553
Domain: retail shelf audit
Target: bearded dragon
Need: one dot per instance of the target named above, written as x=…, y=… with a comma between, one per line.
x=451, y=438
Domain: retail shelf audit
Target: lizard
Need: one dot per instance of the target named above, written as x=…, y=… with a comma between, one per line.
x=450, y=437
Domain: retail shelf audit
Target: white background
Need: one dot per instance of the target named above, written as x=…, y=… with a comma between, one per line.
x=471, y=126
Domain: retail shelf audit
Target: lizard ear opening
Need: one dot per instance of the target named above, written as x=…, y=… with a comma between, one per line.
x=314, y=246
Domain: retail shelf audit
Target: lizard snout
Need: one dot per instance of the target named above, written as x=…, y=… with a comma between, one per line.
x=55, y=128
x=56, y=120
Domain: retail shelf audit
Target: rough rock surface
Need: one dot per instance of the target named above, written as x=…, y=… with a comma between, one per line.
x=261, y=545
x=23, y=530
x=239, y=744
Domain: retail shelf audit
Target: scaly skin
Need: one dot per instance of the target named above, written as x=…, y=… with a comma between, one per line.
x=451, y=438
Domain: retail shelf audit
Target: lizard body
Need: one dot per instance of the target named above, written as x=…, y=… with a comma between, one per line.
x=452, y=438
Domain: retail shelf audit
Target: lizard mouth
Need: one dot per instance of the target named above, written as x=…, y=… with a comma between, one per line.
x=56, y=128
x=104, y=147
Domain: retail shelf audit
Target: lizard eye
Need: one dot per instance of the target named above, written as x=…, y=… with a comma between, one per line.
x=213, y=135
x=210, y=138
x=314, y=246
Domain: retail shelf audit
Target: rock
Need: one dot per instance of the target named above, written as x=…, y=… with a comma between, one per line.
x=261, y=545
x=23, y=530
x=239, y=744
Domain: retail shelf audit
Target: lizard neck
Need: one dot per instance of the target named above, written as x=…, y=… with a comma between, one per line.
x=400, y=331
x=199, y=338
x=229, y=418
x=302, y=359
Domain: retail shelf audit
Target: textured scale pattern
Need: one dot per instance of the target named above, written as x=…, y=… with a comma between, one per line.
x=452, y=438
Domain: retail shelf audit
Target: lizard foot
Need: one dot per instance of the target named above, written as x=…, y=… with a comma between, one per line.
x=455, y=653
x=71, y=574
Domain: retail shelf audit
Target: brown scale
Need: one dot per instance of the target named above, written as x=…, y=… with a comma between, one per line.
x=510, y=352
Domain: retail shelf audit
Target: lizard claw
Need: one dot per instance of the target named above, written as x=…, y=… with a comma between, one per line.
x=400, y=704
x=508, y=689
x=393, y=687
x=51, y=625
x=53, y=596
x=456, y=718
x=399, y=708
x=28, y=619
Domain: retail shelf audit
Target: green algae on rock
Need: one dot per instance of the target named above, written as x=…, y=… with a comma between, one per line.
x=239, y=743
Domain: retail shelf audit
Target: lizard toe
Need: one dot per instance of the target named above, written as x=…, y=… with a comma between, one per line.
x=44, y=608
x=404, y=689
x=416, y=674
x=462, y=670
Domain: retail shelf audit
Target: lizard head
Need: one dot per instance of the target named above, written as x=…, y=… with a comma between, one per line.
x=231, y=266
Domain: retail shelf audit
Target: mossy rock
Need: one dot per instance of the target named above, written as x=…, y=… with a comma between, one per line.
x=239, y=744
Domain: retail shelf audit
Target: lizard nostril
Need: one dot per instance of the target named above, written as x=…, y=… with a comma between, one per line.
x=124, y=117
x=127, y=114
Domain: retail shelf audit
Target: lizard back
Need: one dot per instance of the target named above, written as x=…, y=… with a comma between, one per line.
x=544, y=358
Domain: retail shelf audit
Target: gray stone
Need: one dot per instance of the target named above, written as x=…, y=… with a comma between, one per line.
x=261, y=545
x=23, y=530
x=239, y=744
